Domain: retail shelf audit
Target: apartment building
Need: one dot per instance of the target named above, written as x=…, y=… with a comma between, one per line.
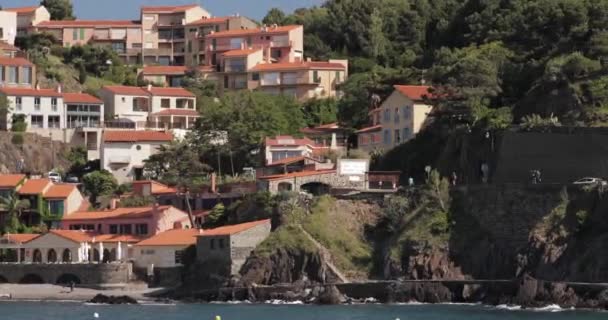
x=28, y=17
x=235, y=65
x=149, y=107
x=196, y=32
x=84, y=118
x=8, y=26
x=397, y=120
x=42, y=108
x=123, y=152
x=16, y=72
x=123, y=36
x=278, y=43
x=164, y=32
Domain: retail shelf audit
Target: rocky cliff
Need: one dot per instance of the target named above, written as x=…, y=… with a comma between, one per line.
x=38, y=152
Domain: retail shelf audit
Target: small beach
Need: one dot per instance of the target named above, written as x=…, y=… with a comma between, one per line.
x=48, y=292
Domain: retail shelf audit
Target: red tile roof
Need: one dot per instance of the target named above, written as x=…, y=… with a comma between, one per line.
x=157, y=187
x=119, y=213
x=35, y=186
x=4, y=61
x=126, y=90
x=286, y=161
x=297, y=174
x=240, y=52
x=10, y=180
x=177, y=112
x=7, y=46
x=20, y=238
x=330, y=127
x=22, y=9
x=304, y=65
x=167, y=9
x=171, y=92
x=115, y=238
x=233, y=229
x=89, y=24
x=80, y=236
x=204, y=21
x=73, y=235
x=164, y=70
x=80, y=98
x=175, y=237
x=289, y=141
x=30, y=92
x=59, y=191
x=137, y=136
x=369, y=129
x=244, y=32
x=415, y=93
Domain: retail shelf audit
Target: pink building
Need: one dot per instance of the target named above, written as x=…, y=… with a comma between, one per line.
x=143, y=222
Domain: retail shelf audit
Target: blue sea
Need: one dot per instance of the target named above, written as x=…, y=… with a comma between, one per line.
x=79, y=311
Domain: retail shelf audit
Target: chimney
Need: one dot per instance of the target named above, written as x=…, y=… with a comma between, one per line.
x=275, y=26
x=59, y=89
x=309, y=59
x=149, y=87
x=213, y=182
x=113, y=203
x=37, y=86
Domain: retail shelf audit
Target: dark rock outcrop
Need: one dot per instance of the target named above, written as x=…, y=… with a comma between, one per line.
x=284, y=266
x=103, y=299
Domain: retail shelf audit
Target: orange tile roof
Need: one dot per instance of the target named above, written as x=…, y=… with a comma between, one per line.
x=30, y=92
x=240, y=52
x=10, y=180
x=297, y=174
x=330, y=127
x=167, y=9
x=21, y=238
x=233, y=229
x=127, y=90
x=246, y=32
x=59, y=191
x=157, y=187
x=137, y=136
x=7, y=46
x=73, y=235
x=22, y=9
x=204, y=21
x=35, y=186
x=304, y=65
x=175, y=237
x=165, y=70
x=116, y=238
x=80, y=98
x=286, y=161
x=415, y=93
x=171, y=92
x=369, y=129
x=118, y=213
x=177, y=112
x=15, y=62
x=89, y=24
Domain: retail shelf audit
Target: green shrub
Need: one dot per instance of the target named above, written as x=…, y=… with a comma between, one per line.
x=18, y=123
x=17, y=139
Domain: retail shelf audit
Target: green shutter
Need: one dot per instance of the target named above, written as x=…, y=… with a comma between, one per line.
x=81, y=34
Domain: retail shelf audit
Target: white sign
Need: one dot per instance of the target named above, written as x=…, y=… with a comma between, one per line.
x=218, y=138
x=353, y=167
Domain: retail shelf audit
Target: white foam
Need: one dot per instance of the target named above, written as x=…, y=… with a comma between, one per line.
x=549, y=308
x=510, y=307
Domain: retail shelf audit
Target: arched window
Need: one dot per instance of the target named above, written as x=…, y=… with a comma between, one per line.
x=96, y=255
x=51, y=256
x=67, y=255
x=106, y=256
x=37, y=256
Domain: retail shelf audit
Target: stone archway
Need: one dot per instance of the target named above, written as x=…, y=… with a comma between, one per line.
x=51, y=256
x=31, y=278
x=68, y=278
x=37, y=256
x=316, y=188
x=66, y=256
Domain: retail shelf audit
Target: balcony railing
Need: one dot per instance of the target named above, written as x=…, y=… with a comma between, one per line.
x=289, y=81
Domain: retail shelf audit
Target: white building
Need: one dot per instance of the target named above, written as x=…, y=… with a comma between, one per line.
x=165, y=250
x=280, y=148
x=123, y=152
x=149, y=107
x=42, y=108
x=8, y=26
x=27, y=17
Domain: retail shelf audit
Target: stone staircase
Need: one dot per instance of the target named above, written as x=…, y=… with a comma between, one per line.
x=326, y=255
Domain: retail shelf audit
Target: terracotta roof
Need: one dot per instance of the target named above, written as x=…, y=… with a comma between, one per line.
x=91, y=236
x=233, y=229
x=164, y=70
x=21, y=238
x=167, y=9
x=126, y=90
x=286, y=161
x=10, y=180
x=137, y=136
x=304, y=65
x=22, y=9
x=240, y=52
x=369, y=129
x=73, y=235
x=415, y=93
x=59, y=191
x=289, y=141
x=175, y=237
x=7, y=46
x=15, y=62
x=204, y=21
x=116, y=238
x=177, y=112
x=244, y=32
x=30, y=92
x=170, y=92
x=297, y=174
x=157, y=187
x=88, y=23
x=330, y=127
x=80, y=98
x=35, y=186
x=119, y=213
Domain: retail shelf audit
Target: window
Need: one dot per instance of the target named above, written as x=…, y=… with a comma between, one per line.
x=315, y=76
x=387, y=137
x=406, y=112
x=1, y=74
x=27, y=75
x=397, y=136
x=18, y=103
x=178, y=256
x=396, y=115
x=406, y=133
x=119, y=47
x=189, y=46
x=54, y=122
x=149, y=45
x=212, y=244
x=255, y=76
x=81, y=34
x=387, y=116
x=141, y=229
x=165, y=103
x=125, y=229
x=113, y=229
x=12, y=75
x=37, y=103
x=56, y=207
x=148, y=252
x=338, y=74
x=221, y=244
x=74, y=34
x=54, y=104
x=37, y=121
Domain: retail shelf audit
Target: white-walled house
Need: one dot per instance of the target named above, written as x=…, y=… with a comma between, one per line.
x=123, y=152
x=43, y=108
x=8, y=26
x=151, y=108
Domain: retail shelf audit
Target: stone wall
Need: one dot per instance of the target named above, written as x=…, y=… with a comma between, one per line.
x=332, y=179
x=243, y=243
x=87, y=274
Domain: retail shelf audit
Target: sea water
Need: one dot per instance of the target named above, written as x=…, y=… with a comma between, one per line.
x=79, y=311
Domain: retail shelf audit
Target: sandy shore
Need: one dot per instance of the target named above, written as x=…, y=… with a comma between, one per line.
x=47, y=292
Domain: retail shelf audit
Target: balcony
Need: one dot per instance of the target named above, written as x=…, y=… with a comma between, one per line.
x=289, y=81
x=224, y=47
x=107, y=37
x=281, y=44
x=158, y=52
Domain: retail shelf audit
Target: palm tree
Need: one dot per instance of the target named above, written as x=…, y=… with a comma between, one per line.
x=13, y=207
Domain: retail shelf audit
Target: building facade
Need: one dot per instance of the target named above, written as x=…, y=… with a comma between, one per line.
x=29, y=17
x=8, y=26
x=16, y=72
